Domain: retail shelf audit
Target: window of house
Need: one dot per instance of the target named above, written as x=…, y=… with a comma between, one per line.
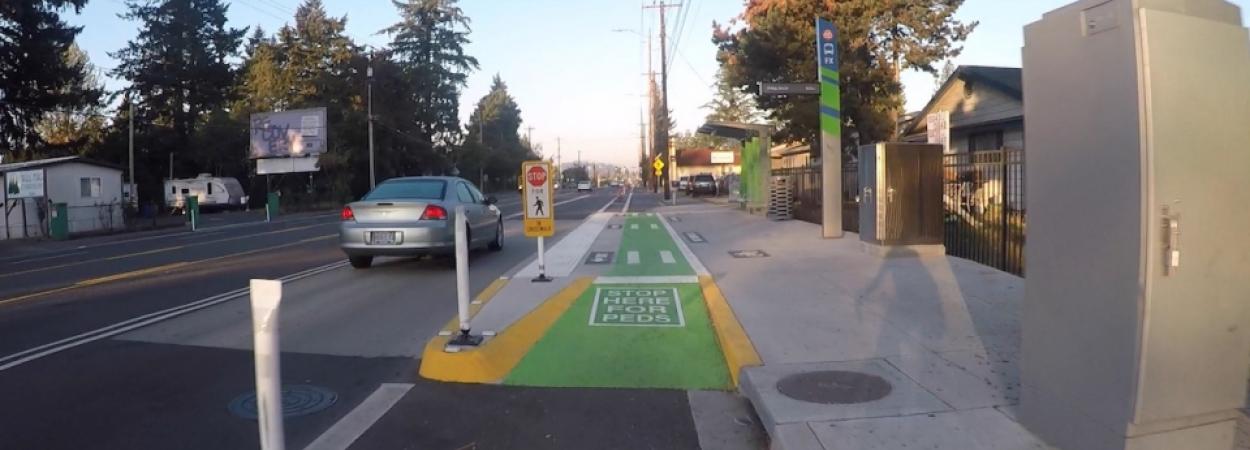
x=986, y=140
x=89, y=187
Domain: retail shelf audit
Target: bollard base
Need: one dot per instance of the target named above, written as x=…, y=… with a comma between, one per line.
x=464, y=339
x=542, y=278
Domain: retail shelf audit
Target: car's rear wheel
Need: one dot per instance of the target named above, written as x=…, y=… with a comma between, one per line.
x=497, y=244
x=360, y=262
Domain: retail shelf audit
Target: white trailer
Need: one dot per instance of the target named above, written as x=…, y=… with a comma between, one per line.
x=211, y=192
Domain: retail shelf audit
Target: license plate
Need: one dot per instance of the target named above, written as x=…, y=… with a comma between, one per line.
x=384, y=238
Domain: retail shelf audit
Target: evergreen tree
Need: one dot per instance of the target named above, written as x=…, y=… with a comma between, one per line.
x=178, y=66
x=35, y=77
x=428, y=45
x=493, y=146
x=877, y=40
x=731, y=103
x=74, y=131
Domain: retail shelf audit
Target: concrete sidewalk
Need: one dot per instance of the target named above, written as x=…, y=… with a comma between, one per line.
x=942, y=333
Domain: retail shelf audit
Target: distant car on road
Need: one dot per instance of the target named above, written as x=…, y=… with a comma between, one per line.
x=703, y=184
x=583, y=186
x=412, y=216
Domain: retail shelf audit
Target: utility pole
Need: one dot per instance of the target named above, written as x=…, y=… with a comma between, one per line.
x=664, y=147
x=134, y=198
x=559, y=169
x=373, y=181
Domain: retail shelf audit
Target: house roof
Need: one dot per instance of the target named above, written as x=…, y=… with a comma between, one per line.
x=11, y=167
x=1003, y=79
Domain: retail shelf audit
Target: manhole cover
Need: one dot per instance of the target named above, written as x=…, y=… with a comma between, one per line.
x=297, y=400
x=834, y=387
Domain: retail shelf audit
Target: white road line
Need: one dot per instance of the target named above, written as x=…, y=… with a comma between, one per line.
x=659, y=279
x=632, y=257
x=356, y=423
x=667, y=257
x=655, y=226
x=571, y=200
x=685, y=249
x=610, y=202
x=62, y=255
x=628, y=199
x=31, y=354
x=633, y=226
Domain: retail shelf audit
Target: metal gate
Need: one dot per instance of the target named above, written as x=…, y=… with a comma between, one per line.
x=806, y=183
x=984, y=203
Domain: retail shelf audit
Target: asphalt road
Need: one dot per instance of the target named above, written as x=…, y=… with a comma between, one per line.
x=128, y=342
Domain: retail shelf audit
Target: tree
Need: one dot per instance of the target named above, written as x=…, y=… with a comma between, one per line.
x=940, y=78
x=74, y=131
x=178, y=66
x=877, y=40
x=428, y=46
x=731, y=103
x=493, y=146
x=35, y=77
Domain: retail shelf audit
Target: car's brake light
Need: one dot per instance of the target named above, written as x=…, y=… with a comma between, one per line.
x=347, y=214
x=434, y=212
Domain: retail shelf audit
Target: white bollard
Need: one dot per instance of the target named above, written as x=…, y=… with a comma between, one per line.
x=266, y=298
x=462, y=280
x=462, y=268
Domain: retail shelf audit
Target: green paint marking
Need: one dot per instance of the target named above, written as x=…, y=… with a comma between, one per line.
x=637, y=307
x=575, y=353
x=832, y=74
x=651, y=245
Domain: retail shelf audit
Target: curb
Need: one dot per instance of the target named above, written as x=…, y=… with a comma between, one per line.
x=496, y=357
x=734, y=343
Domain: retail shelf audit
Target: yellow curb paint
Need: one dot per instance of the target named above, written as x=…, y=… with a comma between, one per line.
x=492, y=361
x=738, y=349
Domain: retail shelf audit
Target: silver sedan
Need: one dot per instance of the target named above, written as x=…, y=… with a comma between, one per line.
x=412, y=216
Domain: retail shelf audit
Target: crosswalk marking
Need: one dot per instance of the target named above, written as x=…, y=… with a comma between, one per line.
x=667, y=257
x=655, y=226
x=633, y=226
x=632, y=258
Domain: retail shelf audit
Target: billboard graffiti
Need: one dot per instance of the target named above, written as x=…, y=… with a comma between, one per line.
x=283, y=134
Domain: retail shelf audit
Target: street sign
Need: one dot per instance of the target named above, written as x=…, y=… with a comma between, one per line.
x=24, y=184
x=637, y=307
x=658, y=164
x=537, y=195
x=789, y=88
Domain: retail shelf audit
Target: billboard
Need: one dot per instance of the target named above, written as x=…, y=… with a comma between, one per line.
x=282, y=134
x=722, y=157
x=24, y=184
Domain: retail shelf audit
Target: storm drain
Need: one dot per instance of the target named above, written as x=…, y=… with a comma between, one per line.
x=834, y=387
x=297, y=400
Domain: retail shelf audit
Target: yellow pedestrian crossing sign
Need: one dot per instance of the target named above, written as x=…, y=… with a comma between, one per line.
x=658, y=165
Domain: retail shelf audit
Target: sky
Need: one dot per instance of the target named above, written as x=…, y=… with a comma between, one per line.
x=576, y=68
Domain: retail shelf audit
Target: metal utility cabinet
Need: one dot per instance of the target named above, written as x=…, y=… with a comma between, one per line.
x=900, y=207
x=1136, y=328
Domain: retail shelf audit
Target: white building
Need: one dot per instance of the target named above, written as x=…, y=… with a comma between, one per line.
x=91, y=190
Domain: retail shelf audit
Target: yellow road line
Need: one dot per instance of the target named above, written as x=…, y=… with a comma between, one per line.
x=151, y=270
x=155, y=251
x=490, y=362
x=737, y=347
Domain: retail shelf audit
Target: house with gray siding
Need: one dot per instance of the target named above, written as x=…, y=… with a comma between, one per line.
x=986, y=107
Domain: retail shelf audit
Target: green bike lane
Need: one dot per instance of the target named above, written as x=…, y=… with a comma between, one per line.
x=634, y=332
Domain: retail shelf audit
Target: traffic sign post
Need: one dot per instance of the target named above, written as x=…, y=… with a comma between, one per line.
x=538, y=198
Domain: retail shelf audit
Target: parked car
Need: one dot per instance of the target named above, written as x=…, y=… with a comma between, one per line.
x=583, y=186
x=412, y=216
x=683, y=183
x=703, y=184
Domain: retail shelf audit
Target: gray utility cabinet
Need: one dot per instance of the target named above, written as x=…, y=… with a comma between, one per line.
x=1136, y=327
x=900, y=194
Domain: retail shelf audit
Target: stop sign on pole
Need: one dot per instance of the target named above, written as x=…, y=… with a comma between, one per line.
x=537, y=196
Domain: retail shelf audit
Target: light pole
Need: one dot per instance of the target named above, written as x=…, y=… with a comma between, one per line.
x=369, y=75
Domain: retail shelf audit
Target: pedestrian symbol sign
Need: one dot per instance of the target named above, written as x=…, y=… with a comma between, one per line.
x=658, y=164
x=637, y=307
x=537, y=196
